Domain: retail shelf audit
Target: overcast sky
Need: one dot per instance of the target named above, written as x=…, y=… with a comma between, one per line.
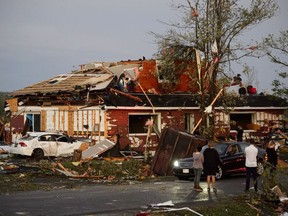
x=44, y=38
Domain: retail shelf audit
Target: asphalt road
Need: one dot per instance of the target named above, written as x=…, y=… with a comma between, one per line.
x=128, y=199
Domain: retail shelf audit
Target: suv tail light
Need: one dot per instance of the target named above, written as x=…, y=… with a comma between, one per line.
x=22, y=144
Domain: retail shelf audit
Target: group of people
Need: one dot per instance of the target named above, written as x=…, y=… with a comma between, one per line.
x=251, y=153
x=210, y=160
x=126, y=84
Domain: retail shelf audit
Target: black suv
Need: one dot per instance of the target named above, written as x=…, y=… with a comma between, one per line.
x=232, y=161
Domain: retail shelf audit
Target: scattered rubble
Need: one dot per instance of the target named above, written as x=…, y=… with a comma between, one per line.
x=60, y=173
x=97, y=149
x=156, y=209
x=8, y=168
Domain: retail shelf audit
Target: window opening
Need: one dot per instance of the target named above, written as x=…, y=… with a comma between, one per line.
x=137, y=122
x=243, y=119
x=189, y=122
x=33, y=122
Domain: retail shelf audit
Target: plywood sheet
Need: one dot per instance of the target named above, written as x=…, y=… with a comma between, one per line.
x=97, y=149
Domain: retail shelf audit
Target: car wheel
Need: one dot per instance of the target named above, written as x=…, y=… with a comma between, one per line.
x=260, y=168
x=219, y=174
x=38, y=154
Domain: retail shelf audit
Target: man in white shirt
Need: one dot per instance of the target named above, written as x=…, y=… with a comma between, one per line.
x=251, y=153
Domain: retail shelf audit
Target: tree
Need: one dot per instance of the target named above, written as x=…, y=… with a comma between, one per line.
x=277, y=50
x=3, y=97
x=213, y=28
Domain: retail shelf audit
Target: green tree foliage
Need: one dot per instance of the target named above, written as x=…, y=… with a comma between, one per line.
x=277, y=50
x=3, y=96
x=214, y=28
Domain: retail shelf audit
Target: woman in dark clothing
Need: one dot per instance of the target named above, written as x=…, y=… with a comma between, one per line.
x=211, y=162
x=272, y=156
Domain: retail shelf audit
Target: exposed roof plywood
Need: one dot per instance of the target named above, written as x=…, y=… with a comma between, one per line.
x=99, y=79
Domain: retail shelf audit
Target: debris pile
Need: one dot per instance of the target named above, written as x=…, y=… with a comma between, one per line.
x=283, y=204
x=8, y=168
x=105, y=169
x=166, y=208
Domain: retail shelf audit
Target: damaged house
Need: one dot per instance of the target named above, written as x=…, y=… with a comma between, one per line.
x=128, y=100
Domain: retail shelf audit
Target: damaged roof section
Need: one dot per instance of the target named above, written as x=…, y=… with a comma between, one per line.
x=69, y=83
x=96, y=76
x=190, y=100
x=126, y=83
x=165, y=100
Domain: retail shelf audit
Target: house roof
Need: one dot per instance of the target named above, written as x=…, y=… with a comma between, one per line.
x=259, y=100
x=99, y=79
x=69, y=82
x=192, y=100
x=97, y=76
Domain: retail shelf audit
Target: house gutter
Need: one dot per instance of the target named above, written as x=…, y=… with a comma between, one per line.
x=252, y=108
x=179, y=108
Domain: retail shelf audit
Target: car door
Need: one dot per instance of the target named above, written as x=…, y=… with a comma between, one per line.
x=65, y=146
x=241, y=157
x=47, y=144
x=233, y=159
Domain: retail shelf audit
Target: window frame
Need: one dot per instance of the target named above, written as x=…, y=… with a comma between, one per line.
x=35, y=122
x=242, y=123
x=157, y=122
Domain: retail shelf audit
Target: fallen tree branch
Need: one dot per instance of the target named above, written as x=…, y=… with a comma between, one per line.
x=253, y=207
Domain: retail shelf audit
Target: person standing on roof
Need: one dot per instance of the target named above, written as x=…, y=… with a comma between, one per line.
x=122, y=83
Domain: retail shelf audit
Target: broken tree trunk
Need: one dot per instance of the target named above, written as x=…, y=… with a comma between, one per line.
x=209, y=107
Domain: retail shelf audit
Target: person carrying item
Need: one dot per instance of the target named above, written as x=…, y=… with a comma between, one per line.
x=251, y=153
x=198, y=167
x=211, y=162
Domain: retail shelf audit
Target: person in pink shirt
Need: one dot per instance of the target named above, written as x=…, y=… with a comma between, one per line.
x=198, y=167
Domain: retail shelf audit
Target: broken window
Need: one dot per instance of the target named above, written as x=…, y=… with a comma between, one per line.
x=137, y=122
x=189, y=122
x=63, y=139
x=243, y=119
x=33, y=122
x=47, y=137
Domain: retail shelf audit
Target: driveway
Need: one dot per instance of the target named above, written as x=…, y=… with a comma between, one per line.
x=127, y=199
